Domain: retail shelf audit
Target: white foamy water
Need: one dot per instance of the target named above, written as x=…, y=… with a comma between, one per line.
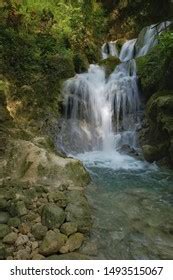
x=140, y=46
x=113, y=160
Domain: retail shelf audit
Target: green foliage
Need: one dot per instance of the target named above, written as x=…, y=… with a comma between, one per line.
x=44, y=42
x=155, y=70
x=80, y=63
x=109, y=64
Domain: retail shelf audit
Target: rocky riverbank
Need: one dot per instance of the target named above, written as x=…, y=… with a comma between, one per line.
x=44, y=213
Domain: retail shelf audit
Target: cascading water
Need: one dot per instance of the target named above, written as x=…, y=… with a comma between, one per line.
x=103, y=113
x=130, y=199
x=146, y=40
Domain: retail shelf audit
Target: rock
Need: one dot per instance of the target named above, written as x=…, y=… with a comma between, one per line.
x=14, y=222
x=21, y=240
x=52, y=243
x=31, y=216
x=9, y=250
x=73, y=243
x=39, y=231
x=2, y=252
x=39, y=165
x=69, y=256
x=22, y=255
x=21, y=208
x=38, y=257
x=89, y=248
x=151, y=153
x=24, y=229
x=10, y=258
x=59, y=198
x=34, y=245
x=109, y=64
x=79, y=213
x=4, y=217
x=68, y=228
x=10, y=238
x=3, y=204
x=52, y=216
x=4, y=230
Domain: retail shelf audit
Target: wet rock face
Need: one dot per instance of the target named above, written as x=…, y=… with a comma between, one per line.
x=157, y=136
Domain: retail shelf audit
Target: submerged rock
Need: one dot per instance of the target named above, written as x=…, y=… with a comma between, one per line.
x=69, y=256
x=78, y=211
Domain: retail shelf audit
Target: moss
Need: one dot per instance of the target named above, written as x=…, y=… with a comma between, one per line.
x=159, y=133
x=92, y=52
x=109, y=64
x=81, y=63
x=155, y=70
x=78, y=173
x=57, y=66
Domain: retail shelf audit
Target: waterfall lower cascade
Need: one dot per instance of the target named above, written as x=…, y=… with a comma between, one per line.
x=102, y=114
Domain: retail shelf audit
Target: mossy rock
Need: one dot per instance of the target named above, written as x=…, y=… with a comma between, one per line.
x=155, y=70
x=76, y=171
x=157, y=138
x=52, y=216
x=109, y=64
x=81, y=63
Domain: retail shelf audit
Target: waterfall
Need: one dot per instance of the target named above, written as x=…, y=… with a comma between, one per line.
x=128, y=50
x=140, y=46
x=110, y=49
x=102, y=114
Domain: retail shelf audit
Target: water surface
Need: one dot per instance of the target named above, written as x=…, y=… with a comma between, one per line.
x=132, y=207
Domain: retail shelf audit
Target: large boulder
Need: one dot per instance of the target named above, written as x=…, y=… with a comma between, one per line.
x=150, y=153
x=157, y=137
x=32, y=163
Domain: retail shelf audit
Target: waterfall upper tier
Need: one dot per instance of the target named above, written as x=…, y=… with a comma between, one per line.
x=146, y=40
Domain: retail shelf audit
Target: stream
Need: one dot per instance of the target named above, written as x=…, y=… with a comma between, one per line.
x=132, y=208
x=131, y=200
